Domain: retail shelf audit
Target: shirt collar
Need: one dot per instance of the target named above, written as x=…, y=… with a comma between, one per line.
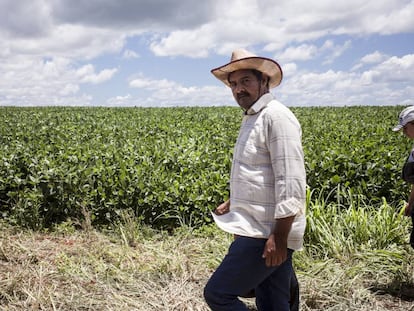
x=260, y=104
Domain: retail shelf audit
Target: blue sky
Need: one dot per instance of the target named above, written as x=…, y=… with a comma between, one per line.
x=160, y=52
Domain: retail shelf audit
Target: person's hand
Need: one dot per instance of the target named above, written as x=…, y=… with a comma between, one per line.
x=408, y=210
x=223, y=208
x=275, y=251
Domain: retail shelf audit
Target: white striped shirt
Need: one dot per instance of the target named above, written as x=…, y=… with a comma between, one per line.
x=268, y=179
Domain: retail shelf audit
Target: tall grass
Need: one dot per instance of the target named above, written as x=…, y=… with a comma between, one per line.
x=336, y=229
x=354, y=253
x=356, y=257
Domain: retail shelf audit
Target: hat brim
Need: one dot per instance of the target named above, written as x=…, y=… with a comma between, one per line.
x=397, y=128
x=404, y=122
x=265, y=65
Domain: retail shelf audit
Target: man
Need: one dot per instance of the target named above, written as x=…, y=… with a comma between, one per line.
x=266, y=209
x=406, y=124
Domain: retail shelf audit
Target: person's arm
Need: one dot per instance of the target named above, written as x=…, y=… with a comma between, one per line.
x=223, y=208
x=409, y=206
x=284, y=141
x=275, y=251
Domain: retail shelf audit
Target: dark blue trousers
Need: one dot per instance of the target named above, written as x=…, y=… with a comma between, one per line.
x=244, y=269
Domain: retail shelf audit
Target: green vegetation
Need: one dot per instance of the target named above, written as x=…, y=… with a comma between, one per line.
x=170, y=166
x=140, y=183
x=353, y=260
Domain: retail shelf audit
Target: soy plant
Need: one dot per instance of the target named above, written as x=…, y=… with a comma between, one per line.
x=170, y=166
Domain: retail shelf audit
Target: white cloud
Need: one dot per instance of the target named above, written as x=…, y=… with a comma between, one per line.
x=91, y=28
x=394, y=69
x=69, y=89
x=69, y=41
x=370, y=59
x=87, y=74
x=298, y=53
x=24, y=18
x=388, y=17
x=129, y=54
x=126, y=100
x=150, y=84
x=130, y=14
x=387, y=83
x=304, y=52
x=35, y=81
x=169, y=93
x=246, y=23
x=373, y=58
x=289, y=69
x=50, y=49
x=334, y=50
x=192, y=43
x=196, y=96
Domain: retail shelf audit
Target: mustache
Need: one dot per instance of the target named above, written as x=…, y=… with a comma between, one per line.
x=242, y=94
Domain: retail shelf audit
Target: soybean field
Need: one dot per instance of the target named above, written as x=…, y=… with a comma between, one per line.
x=109, y=208
x=170, y=166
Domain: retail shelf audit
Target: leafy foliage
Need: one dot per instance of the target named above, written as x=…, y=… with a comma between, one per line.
x=57, y=163
x=354, y=148
x=170, y=166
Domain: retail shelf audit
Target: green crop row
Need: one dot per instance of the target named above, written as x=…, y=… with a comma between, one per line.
x=355, y=148
x=171, y=165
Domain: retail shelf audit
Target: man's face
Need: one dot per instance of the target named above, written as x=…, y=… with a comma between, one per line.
x=246, y=88
x=408, y=130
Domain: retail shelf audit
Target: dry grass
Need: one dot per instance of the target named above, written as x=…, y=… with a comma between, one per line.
x=138, y=269
x=93, y=271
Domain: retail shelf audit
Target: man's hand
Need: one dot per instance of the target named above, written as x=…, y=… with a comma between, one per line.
x=408, y=210
x=275, y=251
x=223, y=208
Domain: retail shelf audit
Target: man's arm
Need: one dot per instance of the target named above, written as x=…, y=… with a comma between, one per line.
x=223, y=208
x=275, y=251
x=409, y=206
x=285, y=146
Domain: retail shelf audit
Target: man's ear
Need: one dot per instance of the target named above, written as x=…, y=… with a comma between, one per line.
x=265, y=80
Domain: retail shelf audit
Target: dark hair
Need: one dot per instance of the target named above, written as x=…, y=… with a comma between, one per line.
x=258, y=74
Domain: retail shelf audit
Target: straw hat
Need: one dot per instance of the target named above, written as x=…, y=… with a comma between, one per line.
x=242, y=59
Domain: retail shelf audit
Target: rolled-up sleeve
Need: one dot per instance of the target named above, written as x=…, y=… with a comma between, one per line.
x=286, y=154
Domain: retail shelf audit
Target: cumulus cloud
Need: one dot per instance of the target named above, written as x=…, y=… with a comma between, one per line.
x=334, y=50
x=129, y=54
x=386, y=83
x=69, y=41
x=126, y=100
x=87, y=74
x=143, y=14
x=393, y=69
x=34, y=81
x=373, y=58
x=24, y=18
x=50, y=50
x=169, y=93
x=247, y=23
x=329, y=51
x=151, y=84
x=370, y=59
x=301, y=52
x=194, y=43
